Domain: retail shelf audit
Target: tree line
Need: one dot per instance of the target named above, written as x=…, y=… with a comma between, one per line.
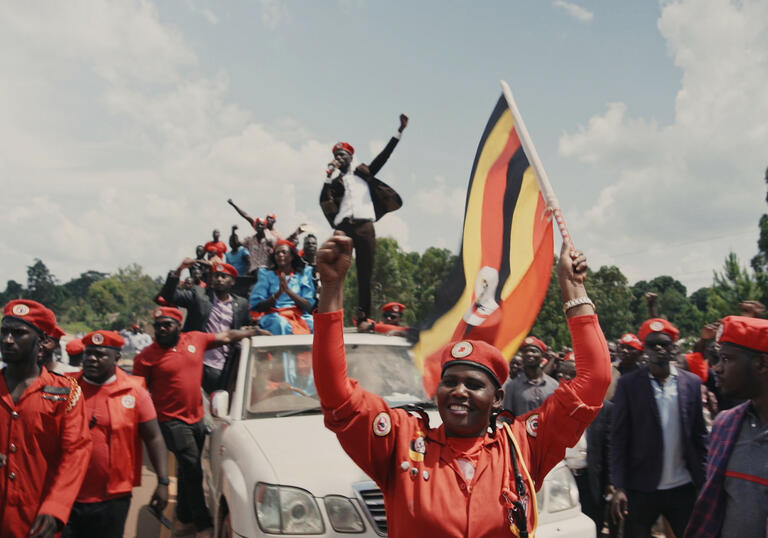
x=115, y=301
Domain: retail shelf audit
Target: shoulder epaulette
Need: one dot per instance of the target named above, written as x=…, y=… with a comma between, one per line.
x=74, y=394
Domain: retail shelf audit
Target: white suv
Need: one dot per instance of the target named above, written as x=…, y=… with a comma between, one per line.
x=271, y=467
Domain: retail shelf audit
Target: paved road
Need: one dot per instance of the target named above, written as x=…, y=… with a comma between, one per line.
x=140, y=523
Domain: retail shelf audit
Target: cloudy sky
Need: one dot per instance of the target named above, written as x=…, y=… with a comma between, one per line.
x=127, y=125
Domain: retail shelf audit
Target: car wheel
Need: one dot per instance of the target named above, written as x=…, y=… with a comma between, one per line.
x=225, y=527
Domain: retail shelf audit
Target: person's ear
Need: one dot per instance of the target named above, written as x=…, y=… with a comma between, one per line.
x=498, y=398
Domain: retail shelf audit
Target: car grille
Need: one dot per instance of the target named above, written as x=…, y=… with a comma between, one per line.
x=373, y=500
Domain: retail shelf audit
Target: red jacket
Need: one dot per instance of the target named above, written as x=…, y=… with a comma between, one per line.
x=124, y=440
x=46, y=439
x=424, y=489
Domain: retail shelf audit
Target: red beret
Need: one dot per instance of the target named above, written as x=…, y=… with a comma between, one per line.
x=479, y=354
x=345, y=146
x=224, y=268
x=533, y=341
x=657, y=325
x=75, y=347
x=393, y=307
x=569, y=356
x=271, y=216
x=286, y=242
x=104, y=339
x=751, y=333
x=34, y=314
x=629, y=339
x=167, y=312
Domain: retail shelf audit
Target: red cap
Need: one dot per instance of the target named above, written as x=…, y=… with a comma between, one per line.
x=533, y=341
x=271, y=216
x=75, y=347
x=751, y=333
x=167, y=312
x=479, y=354
x=569, y=356
x=629, y=339
x=657, y=325
x=345, y=146
x=224, y=268
x=393, y=307
x=104, y=339
x=34, y=314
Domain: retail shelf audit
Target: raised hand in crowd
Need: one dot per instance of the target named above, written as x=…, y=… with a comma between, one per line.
x=752, y=309
x=403, y=123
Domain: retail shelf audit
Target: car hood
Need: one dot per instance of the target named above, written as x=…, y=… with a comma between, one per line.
x=305, y=454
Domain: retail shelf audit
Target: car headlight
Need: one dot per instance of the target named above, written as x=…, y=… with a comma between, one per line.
x=343, y=514
x=281, y=509
x=563, y=492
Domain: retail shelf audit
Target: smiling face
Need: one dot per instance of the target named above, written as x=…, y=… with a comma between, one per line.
x=99, y=363
x=466, y=396
x=283, y=257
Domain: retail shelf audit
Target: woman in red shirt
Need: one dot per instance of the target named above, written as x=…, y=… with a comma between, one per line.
x=467, y=477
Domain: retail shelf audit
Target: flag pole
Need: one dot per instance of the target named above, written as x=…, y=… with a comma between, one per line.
x=547, y=192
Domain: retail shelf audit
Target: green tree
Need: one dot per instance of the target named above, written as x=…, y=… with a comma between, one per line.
x=43, y=287
x=731, y=286
x=609, y=290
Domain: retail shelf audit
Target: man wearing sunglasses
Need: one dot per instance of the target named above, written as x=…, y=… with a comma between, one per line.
x=659, y=438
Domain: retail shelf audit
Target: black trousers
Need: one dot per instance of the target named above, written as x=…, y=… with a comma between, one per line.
x=104, y=519
x=363, y=237
x=186, y=443
x=675, y=504
x=213, y=379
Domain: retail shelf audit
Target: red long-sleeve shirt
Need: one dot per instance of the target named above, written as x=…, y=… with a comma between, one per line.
x=46, y=439
x=426, y=491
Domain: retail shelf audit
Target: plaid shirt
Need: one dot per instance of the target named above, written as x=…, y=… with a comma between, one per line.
x=707, y=517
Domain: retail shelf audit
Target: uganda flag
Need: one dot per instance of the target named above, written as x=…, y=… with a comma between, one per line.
x=496, y=289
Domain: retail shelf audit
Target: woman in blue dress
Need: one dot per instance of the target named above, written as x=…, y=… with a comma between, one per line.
x=283, y=297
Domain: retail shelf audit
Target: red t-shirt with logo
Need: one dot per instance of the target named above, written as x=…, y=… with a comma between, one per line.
x=94, y=488
x=175, y=376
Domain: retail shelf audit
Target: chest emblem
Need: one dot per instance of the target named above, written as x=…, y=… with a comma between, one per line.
x=417, y=447
x=532, y=425
x=128, y=401
x=191, y=348
x=382, y=424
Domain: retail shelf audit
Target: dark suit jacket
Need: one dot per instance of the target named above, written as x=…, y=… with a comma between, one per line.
x=598, y=452
x=384, y=197
x=637, y=443
x=198, y=302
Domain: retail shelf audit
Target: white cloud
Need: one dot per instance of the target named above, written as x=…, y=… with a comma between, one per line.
x=440, y=199
x=206, y=13
x=273, y=13
x=127, y=152
x=698, y=177
x=577, y=12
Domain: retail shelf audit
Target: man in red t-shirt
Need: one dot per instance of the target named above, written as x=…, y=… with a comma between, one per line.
x=120, y=415
x=173, y=368
x=216, y=246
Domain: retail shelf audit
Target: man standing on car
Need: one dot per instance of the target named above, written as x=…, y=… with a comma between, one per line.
x=120, y=416
x=173, y=369
x=353, y=200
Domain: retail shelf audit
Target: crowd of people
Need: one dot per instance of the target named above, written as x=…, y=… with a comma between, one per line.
x=659, y=439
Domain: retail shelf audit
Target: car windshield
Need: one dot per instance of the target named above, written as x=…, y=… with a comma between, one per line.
x=280, y=380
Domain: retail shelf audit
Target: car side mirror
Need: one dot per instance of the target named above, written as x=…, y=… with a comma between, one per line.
x=220, y=403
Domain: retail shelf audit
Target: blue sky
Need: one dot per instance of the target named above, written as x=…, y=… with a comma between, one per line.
x=128, y=125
